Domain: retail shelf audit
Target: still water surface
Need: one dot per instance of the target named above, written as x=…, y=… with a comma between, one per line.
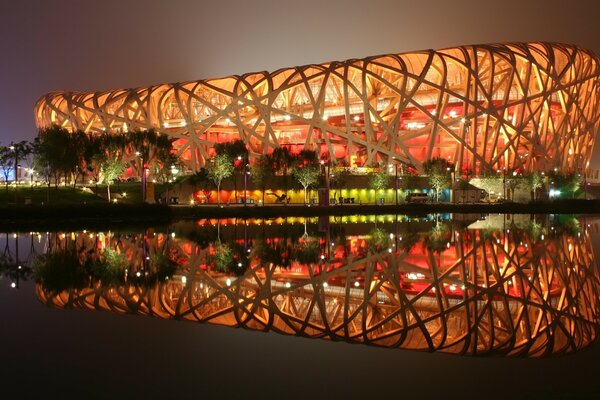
x=523, y=289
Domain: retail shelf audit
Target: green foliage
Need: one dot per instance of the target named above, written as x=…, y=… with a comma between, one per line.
x=223, y=257
x=534, y=181
x=437, y=164
x=234, y=149
x=59, y=271
x=307, y=251
x=379, y=180
x=488, y=181
x=439, y=173
x=111, y=169
x=339, y=178
x=378, y=240
x=6, y=163
x=219, y=167
x=307, y=175
x=261, y=172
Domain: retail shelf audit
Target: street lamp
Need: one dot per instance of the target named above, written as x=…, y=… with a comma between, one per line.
x=325, y=165
x=137, y=153
x=246, y=174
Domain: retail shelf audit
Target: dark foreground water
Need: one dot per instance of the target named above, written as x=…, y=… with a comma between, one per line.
x=493, y=306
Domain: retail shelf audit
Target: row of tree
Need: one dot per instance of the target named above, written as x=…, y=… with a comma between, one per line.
x=60, y=155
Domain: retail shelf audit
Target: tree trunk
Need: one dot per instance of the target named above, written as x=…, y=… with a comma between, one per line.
x=304, y=195
x=108, y=191
x=219, y=193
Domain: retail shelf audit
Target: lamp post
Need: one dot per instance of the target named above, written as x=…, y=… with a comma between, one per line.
x=246, y=173
x=325, y=166
x=137, y=153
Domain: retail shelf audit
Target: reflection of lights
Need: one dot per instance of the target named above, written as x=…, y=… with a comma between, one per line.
x=288, y=285
x=184, y=279
x=414, y=276
x=138, y=274
x=240, y=265
x=356, y=284
x=325, y=284
x=13, y=285
x=228, y=282
x=173, y=234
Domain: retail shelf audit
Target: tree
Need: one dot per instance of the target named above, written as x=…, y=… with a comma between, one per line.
x=379, y=180
x=237, y=151
x=512, y=183
x=283, y=160
x=111, y=169
x=261, y=172
x=5, y=164
x=54, y=149
x=487, y=182
x=338, y=179
x=307, y=175
x=201, y=178
x=219, y=167
x=535, y=181
x=439, y=172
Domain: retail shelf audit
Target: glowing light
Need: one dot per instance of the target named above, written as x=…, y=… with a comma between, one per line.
x=184, y=279
x=228, y=282
x=356, y=284
x=13, y=285
x=288, y=285
x=356, y=118
x=287, y=118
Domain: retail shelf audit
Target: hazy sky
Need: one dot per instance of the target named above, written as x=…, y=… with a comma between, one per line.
x=106, y=44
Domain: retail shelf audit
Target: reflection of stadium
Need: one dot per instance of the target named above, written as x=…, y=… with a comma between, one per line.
x=515, y=106
x=462, y=292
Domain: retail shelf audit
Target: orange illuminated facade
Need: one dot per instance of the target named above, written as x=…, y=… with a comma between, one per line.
x=484, y=107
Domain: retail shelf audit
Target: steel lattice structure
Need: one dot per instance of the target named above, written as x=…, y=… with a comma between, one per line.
x=479, y=293
x=483, y=107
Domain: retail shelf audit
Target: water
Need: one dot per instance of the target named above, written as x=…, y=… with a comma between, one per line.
x=426, y=301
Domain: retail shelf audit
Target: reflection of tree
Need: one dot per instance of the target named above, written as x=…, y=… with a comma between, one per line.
x=203, y=236
x=438, y=237
x=308, y=250
x=223, y=257
x=407, y=241
x=10, y=270
x=110, y=268
x=72, y=268
x=230, y=258
x=378, y=240
x=567, y=224
x=60, y=270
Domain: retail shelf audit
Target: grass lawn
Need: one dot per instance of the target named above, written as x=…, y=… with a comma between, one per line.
x=43, y=195
x=127, y=193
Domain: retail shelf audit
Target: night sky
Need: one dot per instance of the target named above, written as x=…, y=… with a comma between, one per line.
x=102, y=45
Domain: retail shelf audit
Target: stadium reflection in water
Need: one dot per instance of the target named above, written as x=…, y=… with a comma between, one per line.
x=505, y=285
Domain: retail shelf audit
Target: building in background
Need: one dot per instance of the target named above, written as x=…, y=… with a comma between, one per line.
x=512, y=107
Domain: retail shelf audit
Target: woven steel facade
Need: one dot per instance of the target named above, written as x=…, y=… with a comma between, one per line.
x=484, y=107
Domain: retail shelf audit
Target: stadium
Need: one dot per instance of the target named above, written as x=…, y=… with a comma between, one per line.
x=511, y=107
